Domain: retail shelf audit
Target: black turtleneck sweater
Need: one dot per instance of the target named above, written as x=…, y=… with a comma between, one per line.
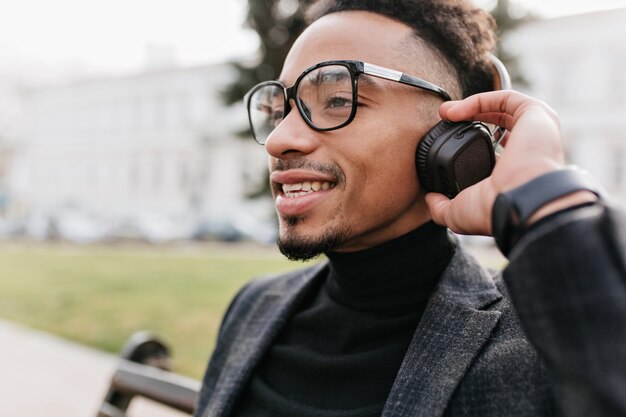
x=340, y=352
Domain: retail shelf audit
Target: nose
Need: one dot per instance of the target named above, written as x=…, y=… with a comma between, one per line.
x=292, y=136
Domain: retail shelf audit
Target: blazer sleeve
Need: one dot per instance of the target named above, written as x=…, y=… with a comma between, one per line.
x=232, y=322
x=567, y=280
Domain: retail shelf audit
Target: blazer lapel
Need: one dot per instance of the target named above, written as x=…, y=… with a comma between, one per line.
x=450, y=334
x=263, y=323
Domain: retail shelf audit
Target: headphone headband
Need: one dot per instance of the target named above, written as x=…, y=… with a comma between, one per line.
x=501, y=78
x=501, y=81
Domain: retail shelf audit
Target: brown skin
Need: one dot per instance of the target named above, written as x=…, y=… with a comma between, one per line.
x=380, y=197
x=377, y=196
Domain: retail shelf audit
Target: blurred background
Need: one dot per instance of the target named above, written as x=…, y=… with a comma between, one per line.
x=130, y=193
x=124, y=121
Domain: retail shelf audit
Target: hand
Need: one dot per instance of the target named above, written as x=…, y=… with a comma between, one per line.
x=533, y=147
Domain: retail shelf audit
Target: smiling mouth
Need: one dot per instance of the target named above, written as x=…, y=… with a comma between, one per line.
x=300, y=189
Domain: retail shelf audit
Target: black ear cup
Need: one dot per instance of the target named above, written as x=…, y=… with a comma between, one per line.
x=421, y=156
x=454, y=156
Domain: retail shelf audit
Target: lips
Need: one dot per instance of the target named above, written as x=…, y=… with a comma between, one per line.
x=298, y=191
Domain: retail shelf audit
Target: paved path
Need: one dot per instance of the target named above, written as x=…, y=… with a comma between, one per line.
x=45, y=376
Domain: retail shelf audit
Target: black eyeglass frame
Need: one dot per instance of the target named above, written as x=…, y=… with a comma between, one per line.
x=355, y=68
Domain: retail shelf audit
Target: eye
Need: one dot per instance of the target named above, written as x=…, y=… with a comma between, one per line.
x=336, y=102
x=277, y=116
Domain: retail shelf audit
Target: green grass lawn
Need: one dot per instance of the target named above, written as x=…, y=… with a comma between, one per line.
x=100, y=295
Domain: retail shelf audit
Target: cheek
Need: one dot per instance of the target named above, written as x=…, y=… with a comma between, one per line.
x=396, y=172
x=387, y=168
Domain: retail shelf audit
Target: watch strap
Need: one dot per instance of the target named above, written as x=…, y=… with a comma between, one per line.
x=513, y=208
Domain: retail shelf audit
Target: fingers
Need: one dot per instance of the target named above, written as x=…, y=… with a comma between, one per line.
x=499, y=119
x=505, y=101
x=497, y=107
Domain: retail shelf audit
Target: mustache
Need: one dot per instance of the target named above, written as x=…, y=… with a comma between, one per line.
x=303, y=163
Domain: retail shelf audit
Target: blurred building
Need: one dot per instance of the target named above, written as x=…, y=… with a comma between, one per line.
x=577, y=64
x=160, y=143
x=5, y=158
x=8, y=113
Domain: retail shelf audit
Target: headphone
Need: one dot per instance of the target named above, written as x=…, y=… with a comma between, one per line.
x=455, y=155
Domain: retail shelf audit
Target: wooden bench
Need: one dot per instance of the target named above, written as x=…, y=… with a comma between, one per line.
x=144, y=370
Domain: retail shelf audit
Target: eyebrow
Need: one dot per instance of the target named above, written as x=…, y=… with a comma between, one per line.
x=319, y=75
x=367, y=81
x=370, y=82
x=317, y=78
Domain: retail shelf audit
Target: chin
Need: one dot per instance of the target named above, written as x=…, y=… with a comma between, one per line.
x=296, y=244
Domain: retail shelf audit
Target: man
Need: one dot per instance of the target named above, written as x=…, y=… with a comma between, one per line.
x=401, y=321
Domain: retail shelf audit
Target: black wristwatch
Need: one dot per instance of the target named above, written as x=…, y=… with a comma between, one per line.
x=512, y=209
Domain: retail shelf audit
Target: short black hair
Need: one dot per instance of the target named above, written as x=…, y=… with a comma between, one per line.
x=461, y=32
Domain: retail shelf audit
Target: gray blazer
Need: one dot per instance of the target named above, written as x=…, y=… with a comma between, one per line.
x=469, y=355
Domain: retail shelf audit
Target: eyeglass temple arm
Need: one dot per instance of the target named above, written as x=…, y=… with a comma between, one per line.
x=393, y=75
x=501, y=81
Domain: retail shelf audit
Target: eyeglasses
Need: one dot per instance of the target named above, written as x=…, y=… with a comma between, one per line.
x=326, y=96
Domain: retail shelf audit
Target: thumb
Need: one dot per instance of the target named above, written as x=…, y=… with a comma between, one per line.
x=439, y=206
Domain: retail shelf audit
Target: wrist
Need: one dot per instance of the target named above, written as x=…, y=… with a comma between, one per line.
x=513, y=211
x=576, y=199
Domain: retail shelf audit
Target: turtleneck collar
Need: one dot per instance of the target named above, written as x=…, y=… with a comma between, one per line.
x=395, y=277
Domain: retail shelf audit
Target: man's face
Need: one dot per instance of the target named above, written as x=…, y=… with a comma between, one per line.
x=355, y=187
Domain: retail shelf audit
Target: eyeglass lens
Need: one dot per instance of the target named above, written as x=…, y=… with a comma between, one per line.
x=324, y=97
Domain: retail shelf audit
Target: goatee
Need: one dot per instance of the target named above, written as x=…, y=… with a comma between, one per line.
x=305, y=248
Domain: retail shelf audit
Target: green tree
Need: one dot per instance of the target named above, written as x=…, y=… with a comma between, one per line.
x=508, y=17
x=278, y=23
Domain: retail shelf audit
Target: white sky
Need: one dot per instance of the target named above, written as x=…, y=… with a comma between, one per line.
x=87, y=36
x=111, y=35
x=554, y=8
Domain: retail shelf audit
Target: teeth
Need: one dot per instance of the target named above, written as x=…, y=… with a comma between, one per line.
x=302, y=188
x=292, y=187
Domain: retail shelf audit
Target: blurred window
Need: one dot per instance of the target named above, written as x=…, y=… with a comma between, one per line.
x=618, y=176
